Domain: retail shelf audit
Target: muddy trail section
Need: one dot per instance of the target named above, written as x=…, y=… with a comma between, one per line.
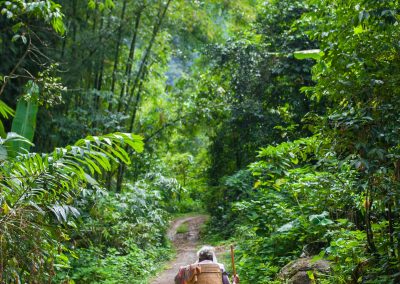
x=186, y=245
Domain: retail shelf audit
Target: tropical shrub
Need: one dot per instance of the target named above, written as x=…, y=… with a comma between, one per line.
x=38, y=192
x=114, y=266
x=119, y=238
x=219, y=201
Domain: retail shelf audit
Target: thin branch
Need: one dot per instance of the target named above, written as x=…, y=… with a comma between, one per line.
x=6, y=78
x=165, y=126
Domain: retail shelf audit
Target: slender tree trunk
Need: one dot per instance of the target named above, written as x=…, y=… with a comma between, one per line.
x=146, y=55
x=64, y=43
x=98, y=69
x=109, y=179
x=129, y=63
x=236, y=145
x=122, y=167
x=397, y=179
x=116, y=56
x=390, y=227
x=74, y=28
x=102, y=57
x=92, y=71
x=120, y=176
x=368, y=227
x=97, y=64
x=136, y=105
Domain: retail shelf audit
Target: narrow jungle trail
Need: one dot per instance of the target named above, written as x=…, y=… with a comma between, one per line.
x=186, y=245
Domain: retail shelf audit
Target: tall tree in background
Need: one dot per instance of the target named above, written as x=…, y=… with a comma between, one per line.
x=259, y=81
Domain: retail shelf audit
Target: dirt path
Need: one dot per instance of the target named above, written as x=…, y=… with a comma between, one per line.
x=186, y=245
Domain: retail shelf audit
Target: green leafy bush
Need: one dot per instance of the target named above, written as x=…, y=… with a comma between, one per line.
x=112, y=266
x=37, y=201
x=120, y=237
x=219, y=200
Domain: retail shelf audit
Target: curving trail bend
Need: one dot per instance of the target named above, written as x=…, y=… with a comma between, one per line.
x=186, y=246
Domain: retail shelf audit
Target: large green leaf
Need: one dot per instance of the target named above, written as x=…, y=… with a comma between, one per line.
x=308, y=54
x=24, y=122
x=320, y=219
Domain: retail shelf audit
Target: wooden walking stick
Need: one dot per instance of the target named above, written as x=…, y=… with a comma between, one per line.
x=233, y=261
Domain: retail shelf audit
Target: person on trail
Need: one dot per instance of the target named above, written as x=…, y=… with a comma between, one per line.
x=206, y=270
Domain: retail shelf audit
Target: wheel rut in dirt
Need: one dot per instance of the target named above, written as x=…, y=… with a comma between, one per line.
x=185, y=244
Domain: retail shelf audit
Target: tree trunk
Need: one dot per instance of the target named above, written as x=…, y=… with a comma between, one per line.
x=129, y=63
x=368, y=227
x=136, y=106
x=120, y=176
x=116, y=56
x=146, y=55
x=397, y=179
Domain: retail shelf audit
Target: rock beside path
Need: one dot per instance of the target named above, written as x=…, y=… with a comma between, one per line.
x=296, y=271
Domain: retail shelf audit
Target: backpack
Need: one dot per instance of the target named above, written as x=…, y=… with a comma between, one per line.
x=207, y=273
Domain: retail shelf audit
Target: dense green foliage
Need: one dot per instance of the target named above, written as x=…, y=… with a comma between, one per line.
x=38, y=191
x=337, y=187
x=280, y=118
x=121, y=237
